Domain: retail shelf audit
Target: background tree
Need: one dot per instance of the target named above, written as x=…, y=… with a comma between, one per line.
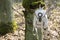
x=7, y=22
x=28, y=13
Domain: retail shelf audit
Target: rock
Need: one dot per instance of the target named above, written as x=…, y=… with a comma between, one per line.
x=22, y=38
x=54, y=33
x=21, y=33
x=15, y=33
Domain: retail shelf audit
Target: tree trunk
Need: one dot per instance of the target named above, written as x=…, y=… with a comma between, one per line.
x=7, y=23
x=29, y=18
x=29, y=25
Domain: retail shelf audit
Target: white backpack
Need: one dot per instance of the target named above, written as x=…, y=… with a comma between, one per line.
x=40, y=16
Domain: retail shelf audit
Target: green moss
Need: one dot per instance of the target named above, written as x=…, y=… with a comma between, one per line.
x=35, y=3
x=7, y=27
x=27, y=3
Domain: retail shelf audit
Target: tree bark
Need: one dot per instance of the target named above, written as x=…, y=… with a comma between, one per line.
x=29, y=25
x=28, y=13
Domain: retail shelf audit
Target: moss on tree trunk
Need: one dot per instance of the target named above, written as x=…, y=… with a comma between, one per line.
x=29, y=25
x=7, y=23
x=28, y=5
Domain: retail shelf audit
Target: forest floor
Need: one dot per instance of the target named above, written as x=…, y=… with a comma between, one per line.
x=53, y=23
x=53, y=32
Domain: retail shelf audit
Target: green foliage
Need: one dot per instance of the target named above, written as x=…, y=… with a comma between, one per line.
x=40, y=2
x=27, y=4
